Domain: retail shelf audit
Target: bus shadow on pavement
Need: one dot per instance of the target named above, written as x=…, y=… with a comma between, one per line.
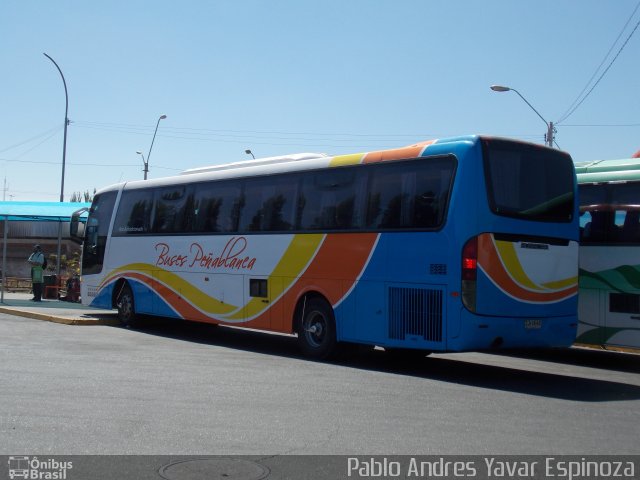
x=583, y=357
x=440, y=368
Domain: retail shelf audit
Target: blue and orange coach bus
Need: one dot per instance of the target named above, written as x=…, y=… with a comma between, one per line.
x=456, y=244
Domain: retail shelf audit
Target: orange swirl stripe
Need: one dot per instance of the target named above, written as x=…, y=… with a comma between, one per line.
x=411, y=151
x=334, y=269
x=491, y=264
x=337, y=265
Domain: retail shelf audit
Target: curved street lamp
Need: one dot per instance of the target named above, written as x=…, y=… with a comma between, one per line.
x=66, y=122
x=64, y=156
x=549, y=137
x=146, y=164
x=249, y=152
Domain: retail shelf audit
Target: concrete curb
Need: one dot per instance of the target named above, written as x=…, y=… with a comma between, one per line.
x=59, y=318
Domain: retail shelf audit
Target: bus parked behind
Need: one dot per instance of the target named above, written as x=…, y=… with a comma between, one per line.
x=609, y=306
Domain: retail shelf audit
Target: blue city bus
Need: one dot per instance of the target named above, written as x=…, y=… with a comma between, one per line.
x=457, y=244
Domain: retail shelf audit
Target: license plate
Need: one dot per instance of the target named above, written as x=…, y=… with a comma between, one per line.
x=533, y=323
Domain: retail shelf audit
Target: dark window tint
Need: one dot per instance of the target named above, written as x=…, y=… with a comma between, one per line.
x=592, y=194
x=269, y=204
x=411, y=194
x=610, y=213
x=258, y=288
x=216, y=206
x=96, y=232
x=134, y=213
x=529, y=182
x=331, y=199
x=624, y=303
x=625, y=193
x=173, y=209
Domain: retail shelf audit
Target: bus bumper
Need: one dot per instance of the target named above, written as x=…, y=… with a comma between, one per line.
x=479, y=332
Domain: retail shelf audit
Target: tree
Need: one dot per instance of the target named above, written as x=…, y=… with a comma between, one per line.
x=84, y=197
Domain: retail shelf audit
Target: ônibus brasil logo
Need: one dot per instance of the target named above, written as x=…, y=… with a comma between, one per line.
x=35, y=469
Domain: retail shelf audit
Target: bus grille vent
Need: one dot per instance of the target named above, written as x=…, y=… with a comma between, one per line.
x=438, y=269
x=415, y=312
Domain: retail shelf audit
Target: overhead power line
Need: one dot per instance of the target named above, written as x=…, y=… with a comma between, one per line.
x=360, y=141
x=231, y=132
x=580, y=98
x=55, y=129
x=618, y=125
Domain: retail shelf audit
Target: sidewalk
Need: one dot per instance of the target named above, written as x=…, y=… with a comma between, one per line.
x=57, y=311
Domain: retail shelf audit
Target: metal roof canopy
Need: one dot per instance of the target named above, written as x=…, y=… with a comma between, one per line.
x=39, y=211
x=36, y=212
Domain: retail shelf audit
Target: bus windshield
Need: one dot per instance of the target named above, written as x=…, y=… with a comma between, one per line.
x=528, y=182
x=96, y=232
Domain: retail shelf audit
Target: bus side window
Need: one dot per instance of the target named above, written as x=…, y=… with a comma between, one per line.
x=134, y=213
x=172, y=209
x=585, y=225
x=630, y=230
x=331, y=200
x=269, y=204
x=410, y=194
x=216, y=206
x=601, y=228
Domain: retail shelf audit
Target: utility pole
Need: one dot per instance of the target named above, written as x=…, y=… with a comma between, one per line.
x=551, y=130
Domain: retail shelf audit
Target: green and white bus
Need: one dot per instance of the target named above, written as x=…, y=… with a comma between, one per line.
x=609, y=283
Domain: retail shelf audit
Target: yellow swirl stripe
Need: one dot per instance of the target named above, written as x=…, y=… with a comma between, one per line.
x=509, y=257
x=342, y=160
x=146, y=268
x=298, y=255
x=197, y=297
x=561, y=284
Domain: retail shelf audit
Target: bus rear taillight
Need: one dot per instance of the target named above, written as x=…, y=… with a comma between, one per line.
x=469, y=273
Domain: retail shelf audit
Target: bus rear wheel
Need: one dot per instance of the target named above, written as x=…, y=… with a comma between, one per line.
x=317, y=332
x=126, y=306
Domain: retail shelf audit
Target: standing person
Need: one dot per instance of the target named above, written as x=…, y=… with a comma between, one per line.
x=36, y=260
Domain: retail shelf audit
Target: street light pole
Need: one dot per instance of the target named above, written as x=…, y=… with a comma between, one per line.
x=249, y=152
x=146, y=164
x=66, y=123
x=549, y=136
x=64, y=157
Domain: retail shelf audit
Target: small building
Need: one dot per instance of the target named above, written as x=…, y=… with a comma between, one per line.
x=25, y=224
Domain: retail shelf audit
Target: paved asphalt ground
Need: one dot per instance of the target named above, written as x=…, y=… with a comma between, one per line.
x=176, y=388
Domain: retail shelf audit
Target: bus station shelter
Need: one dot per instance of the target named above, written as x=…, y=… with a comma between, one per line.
x=35, y=222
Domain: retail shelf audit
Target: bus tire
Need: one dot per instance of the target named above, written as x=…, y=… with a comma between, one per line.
x=126, y=306
x=317, y=332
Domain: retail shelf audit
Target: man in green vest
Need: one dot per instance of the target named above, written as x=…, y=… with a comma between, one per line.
x=36, y=260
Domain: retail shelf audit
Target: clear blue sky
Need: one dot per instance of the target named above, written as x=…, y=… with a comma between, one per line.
x=285, y=76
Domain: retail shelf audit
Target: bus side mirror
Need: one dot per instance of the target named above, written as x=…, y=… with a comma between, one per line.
x=76, y=227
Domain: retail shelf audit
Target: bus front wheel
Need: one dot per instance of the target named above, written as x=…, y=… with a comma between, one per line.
x=317, y=332
x=126, y=307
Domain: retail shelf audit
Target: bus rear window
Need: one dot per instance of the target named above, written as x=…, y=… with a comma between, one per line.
x=529, y=182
